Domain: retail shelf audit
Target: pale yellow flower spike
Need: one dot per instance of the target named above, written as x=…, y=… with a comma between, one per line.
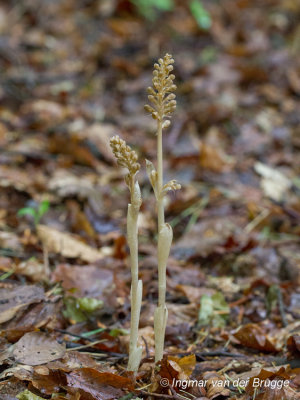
x=163, y=103
x=127, y=158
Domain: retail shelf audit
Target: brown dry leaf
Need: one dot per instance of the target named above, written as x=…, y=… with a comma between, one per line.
x=66, y=184
x=271, y=393
x=72, y=360
x=74, y=148
x=16, y=178
x=186, y=364
x=64, y=244
x=9, y=240
x=215, y=385
x=15, y=299
x=36, y=348
x=33, y=269
x=194, y=294
x=252, y=336
x=90, y=281
x=48, y=383
x=293, y=343
x=101, y=385
x=44, y=111
x=168, y=370
x=45, y=314
x=214, y=159
x=99, y=135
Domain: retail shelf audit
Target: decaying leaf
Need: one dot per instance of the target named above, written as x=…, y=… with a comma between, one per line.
x=79, y=309
x=89, y=280
x=13, y=300
x=293, y=344
x=252, y=335
x=36, y=348
x=101, y=385
x=27, y=395
x=214, y=159
x=33, y=269
x=215, y=385
x=64, y=244
x=66, y=184
x=213, y=310
x=274, y=184
x=269, y=385
x=186, y=364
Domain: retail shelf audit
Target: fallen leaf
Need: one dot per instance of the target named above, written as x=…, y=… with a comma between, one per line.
x=214, y=159
x=13, y=300
x=252, y=336
x=27, y=395
x=66, y=184
x=79, y=309
x=215, y=385
x=90, y=281
x=64, y=244
x=101, y=385
x=271, y=385
x=36, y=348
x=33, y=269
x=213, y=310
x=293, y=343
x=274, y=184
x=194, y=294
x=187, y=364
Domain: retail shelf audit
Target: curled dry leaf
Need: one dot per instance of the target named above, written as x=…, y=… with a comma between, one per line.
x=293, y=344
x=252, y=336
x=101, y=385
x=36, y=348
x=64, y=244
x=215, y=385
x=272, y=385
x=13, y=300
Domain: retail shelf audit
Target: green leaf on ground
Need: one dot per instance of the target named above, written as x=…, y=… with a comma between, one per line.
x=27, y=395
x=80, y=309
x=213, y=311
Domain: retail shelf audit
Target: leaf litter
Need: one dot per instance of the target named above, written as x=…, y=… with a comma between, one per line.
x=233, y=276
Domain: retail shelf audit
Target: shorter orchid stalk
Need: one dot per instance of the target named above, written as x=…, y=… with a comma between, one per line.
x=127, y=158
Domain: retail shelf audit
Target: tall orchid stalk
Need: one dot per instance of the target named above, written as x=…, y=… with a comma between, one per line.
x=163, y=104
x=127, y=158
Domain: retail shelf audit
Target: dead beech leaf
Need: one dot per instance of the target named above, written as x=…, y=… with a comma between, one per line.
x=33, y=269
x=36, y=348
x=215, y=385
x=89, y=280
x=252, y=336
x=64, y=244
x=65, y=184
x=13, y=300
x=101, y=385
x=214, y=159
x=272, y=390
x=186, y=364
x=293, y=343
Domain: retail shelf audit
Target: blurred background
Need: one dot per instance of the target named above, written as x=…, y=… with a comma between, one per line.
x=74, y=73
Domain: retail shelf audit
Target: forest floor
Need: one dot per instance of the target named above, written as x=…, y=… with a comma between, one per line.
x=75, y=73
